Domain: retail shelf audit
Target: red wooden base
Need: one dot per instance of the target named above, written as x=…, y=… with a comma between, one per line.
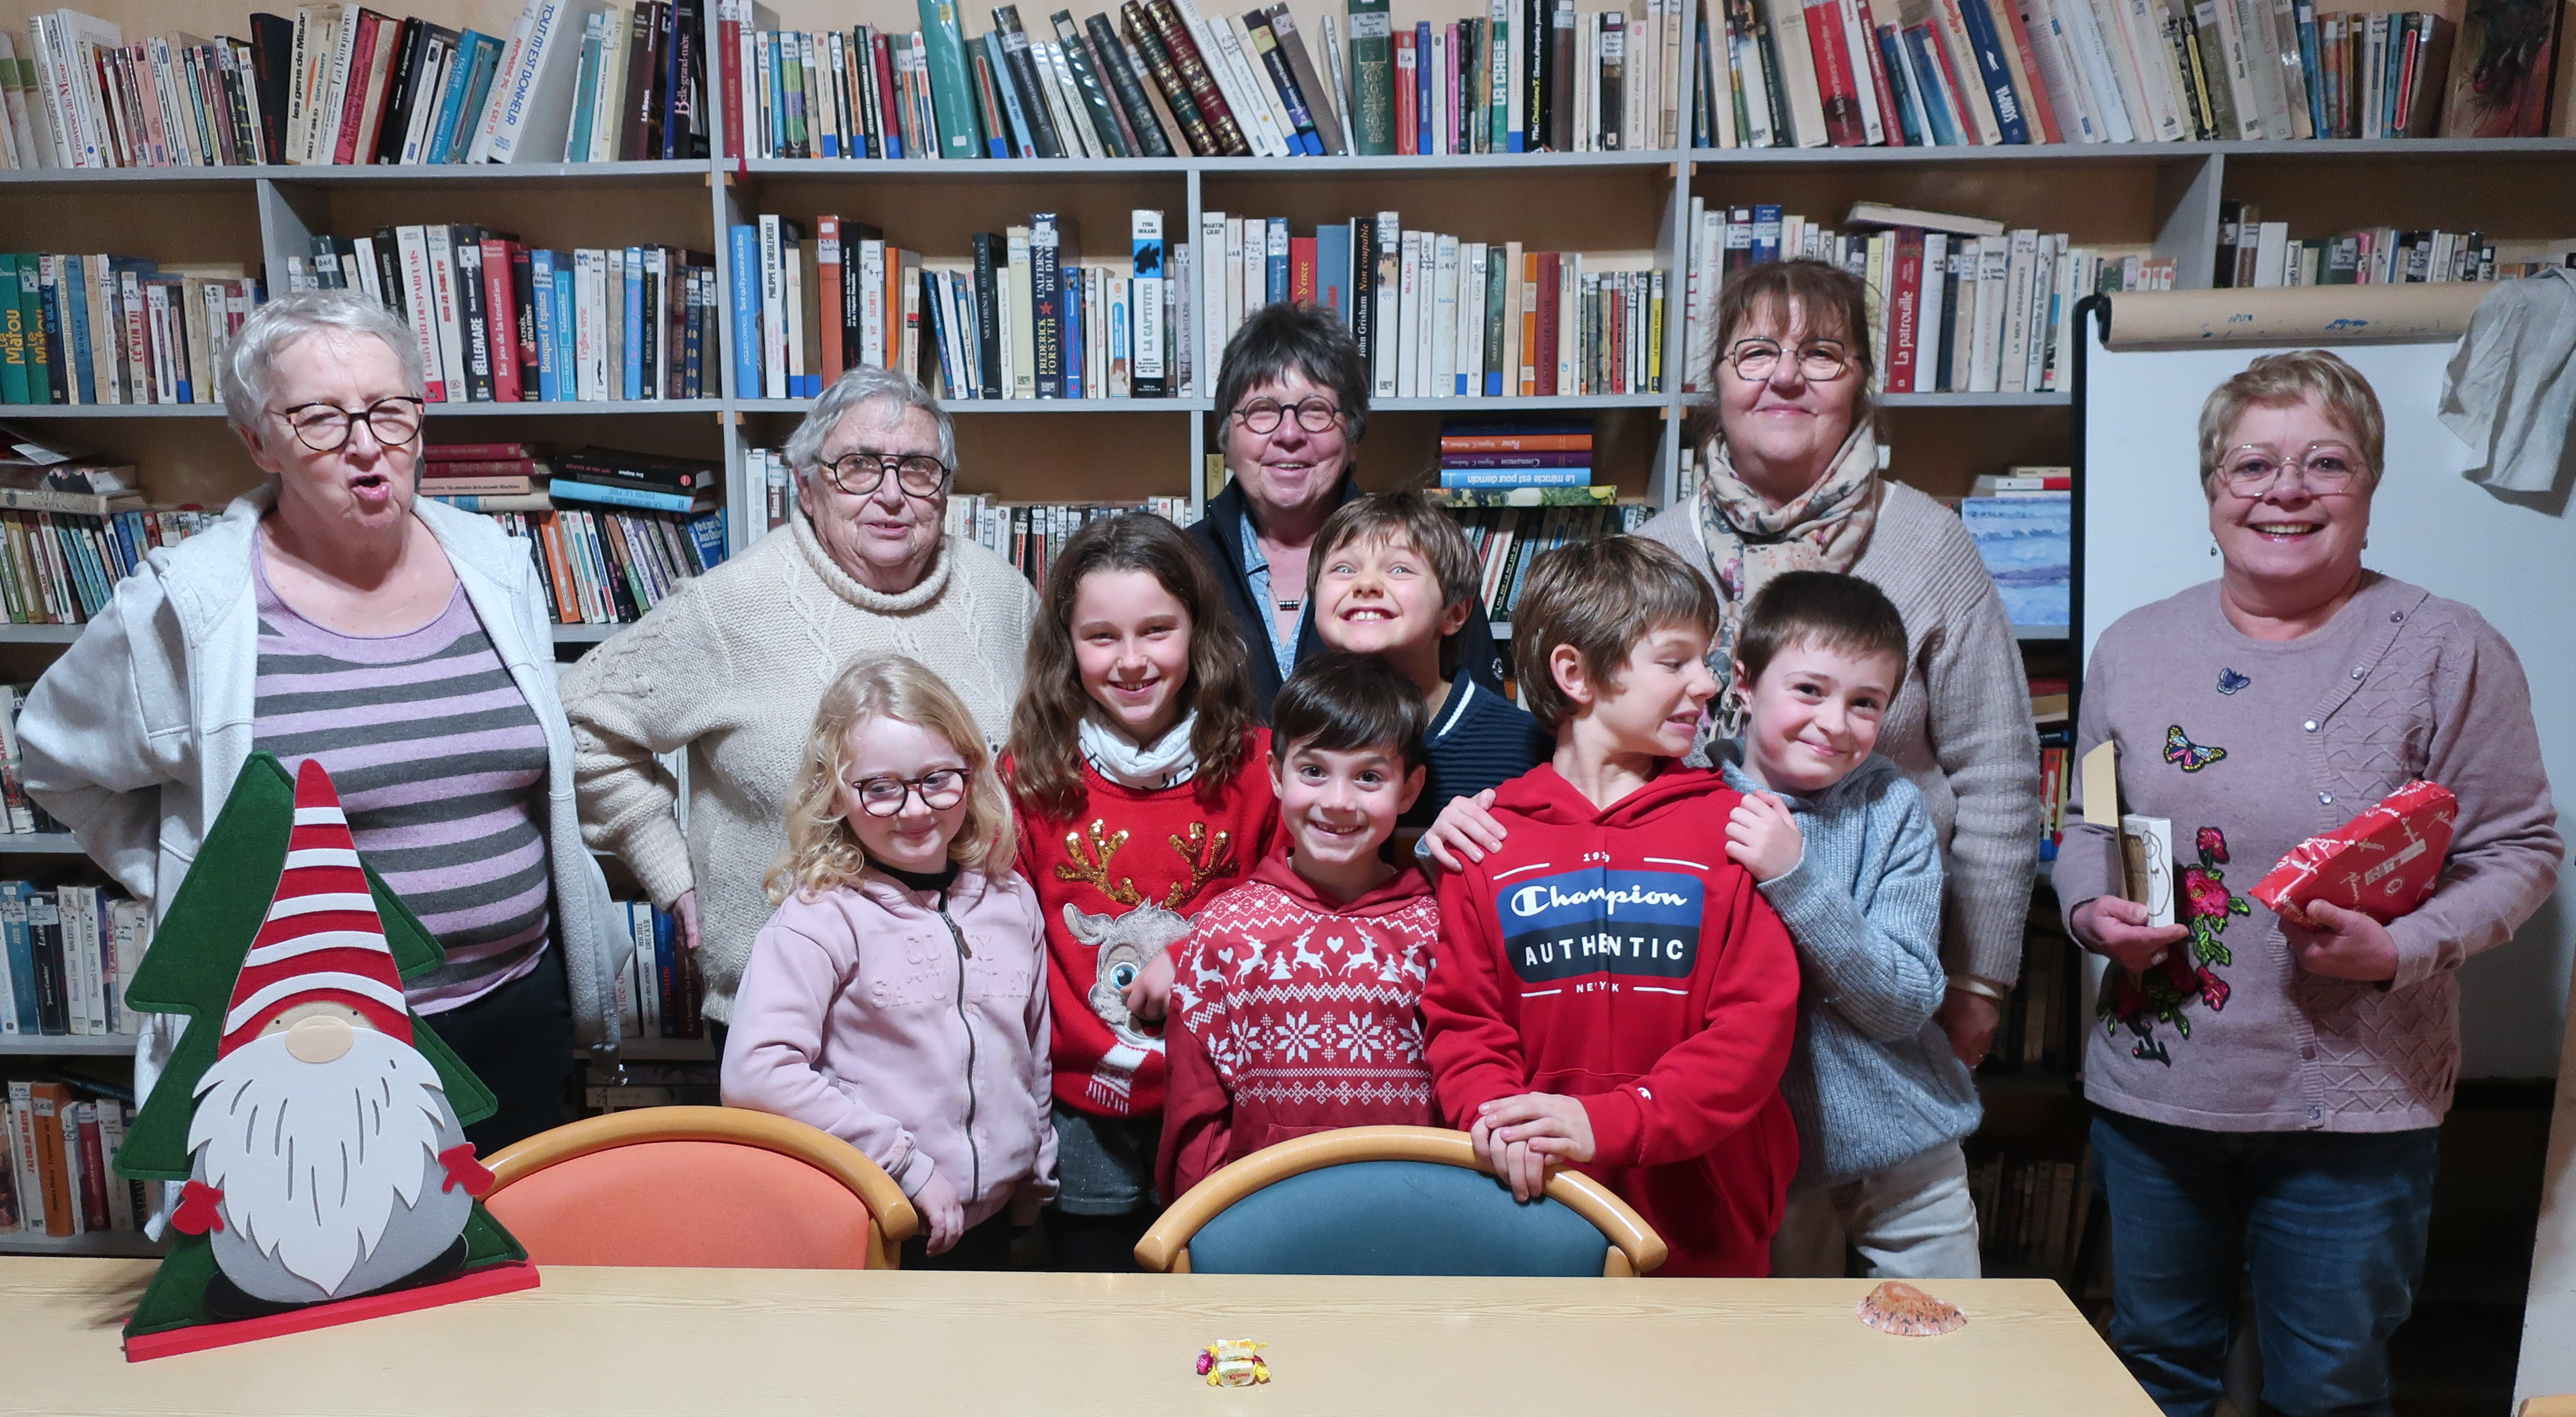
x=494, y=1279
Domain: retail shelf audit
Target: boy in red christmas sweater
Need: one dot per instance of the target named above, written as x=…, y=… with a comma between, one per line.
x=1294, y=1006
x=1611, y=992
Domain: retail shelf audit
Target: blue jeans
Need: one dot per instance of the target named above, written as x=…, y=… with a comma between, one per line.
x=2329, y=1225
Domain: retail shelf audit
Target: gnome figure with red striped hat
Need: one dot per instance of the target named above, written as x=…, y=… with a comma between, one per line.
x=325, y=1160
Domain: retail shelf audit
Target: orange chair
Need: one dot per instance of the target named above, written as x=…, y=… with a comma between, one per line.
x=698, y=1188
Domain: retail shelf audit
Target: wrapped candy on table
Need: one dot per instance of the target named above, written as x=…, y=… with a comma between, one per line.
x=1233, y=1362
x=2382, y=863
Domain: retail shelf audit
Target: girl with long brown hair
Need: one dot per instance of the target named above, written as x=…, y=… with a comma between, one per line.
x=1129, y=758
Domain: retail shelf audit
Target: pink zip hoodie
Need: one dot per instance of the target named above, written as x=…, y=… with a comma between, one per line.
x=915, y=1033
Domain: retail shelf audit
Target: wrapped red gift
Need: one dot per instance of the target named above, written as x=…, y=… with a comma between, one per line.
x=2382, y=863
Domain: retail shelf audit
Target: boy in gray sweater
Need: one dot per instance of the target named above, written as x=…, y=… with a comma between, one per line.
x=1844, y=848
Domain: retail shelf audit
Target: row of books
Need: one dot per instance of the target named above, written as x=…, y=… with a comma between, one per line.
x=2262, y=254
x=1508, y=539
x=60, y=568
x=56, y=1147
x=1029, y=536
x=2033, y=1211
x=19, y=814
x=661, y=992
x=1950, y=73
x=1439, y=316
x=1512, y=456
x=117, y=329
x=609, y=567
x=1972, y=308
x=499, y=321
x=342, y=84
x=66, y=955
x=1539, y=76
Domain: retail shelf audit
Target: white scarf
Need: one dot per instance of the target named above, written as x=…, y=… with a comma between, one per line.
x=1168, y=762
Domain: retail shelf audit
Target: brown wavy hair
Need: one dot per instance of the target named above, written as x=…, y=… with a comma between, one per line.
x=1046, y=754
x=822, y=852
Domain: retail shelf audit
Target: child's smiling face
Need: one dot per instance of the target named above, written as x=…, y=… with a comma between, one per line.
x=1378, y=595
x=1652, y=705
x=1340, y=806
x=1131, y=643
x=884, y=750
x=1813, y=716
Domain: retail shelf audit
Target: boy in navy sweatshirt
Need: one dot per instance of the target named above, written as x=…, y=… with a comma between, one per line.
x=1611, y=992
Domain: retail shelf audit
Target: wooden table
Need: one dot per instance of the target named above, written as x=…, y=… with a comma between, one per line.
x=643, y=1342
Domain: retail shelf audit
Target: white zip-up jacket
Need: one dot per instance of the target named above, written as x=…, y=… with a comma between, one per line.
x=134, y=737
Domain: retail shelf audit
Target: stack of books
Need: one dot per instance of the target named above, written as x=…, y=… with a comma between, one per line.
x=2254, y=253
x=660, y=993
x=486, y=477
x=1442, y=317
x=1161, y=79
x=1959, y=304
x=117, y=329
x=69, y=953
x=1512, y=457
x=66, y=551
x=627, y=529
x=499, y=321
x=572, y=80
x=56, y=1147
x=1952, y=73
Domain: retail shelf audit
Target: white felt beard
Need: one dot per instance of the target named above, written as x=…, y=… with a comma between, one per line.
x=316, y=1194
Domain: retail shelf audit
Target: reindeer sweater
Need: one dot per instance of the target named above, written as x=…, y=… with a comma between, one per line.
x=1294, y=1013
x=1132, y=866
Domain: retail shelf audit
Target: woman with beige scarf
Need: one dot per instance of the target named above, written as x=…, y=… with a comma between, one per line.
x=1791, y=482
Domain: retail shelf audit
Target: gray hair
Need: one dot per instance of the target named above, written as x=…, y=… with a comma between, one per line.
x=864, y=384
x=251, y=379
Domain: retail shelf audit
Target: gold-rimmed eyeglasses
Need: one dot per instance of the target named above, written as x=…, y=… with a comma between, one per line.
x=2253, y=469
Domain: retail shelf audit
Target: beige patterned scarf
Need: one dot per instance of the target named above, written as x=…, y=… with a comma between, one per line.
x=1749, y=541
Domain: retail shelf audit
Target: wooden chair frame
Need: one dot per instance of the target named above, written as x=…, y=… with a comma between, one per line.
x=1635, y=1248
x=891, y=1218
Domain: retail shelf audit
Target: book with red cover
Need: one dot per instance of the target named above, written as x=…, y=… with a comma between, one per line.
x=1551, y=274
x=832, y=275
x=501, y=320
x=1836, y=85
x=1301, y=269
x=1905, y=292
x=1408, y=101
x=479, y=452
x=2382, y=863
x=2035, y=102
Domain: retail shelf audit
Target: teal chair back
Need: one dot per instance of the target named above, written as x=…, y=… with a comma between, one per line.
x=1393, y=1201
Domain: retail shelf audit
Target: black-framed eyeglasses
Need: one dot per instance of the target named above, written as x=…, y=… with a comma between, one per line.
x=2252, y=469
x=1821, y=360
x=940, y=789
x=1315, y=415
x=324, y=427
x=861, y=474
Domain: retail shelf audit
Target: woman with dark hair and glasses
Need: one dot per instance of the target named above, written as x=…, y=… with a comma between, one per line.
x=731, y=666
x=1292, y=395
x=332, y=616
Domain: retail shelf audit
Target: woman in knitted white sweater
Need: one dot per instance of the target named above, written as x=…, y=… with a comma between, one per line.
x=732, y=665
x=1792, y=482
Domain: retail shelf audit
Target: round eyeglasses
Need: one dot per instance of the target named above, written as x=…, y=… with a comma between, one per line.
x=1821, y=361
x=861, y=474
x=1315, y=415
x=940, y=789
x=325, y=427
x=2254, y=469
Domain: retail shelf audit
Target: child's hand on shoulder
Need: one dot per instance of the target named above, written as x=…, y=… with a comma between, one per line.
x=1762, y=836
x=943, y=1216
x=1465, y=831
x=1521, y=1139
x=1150, y=996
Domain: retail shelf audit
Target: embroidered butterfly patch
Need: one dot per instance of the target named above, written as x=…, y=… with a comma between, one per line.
x=2229, y=681
x=2187, y=755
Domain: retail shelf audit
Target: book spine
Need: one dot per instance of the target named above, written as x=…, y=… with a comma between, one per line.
x=1164, y=70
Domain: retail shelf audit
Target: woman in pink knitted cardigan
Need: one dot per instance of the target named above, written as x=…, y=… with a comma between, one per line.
x=2268, y=1092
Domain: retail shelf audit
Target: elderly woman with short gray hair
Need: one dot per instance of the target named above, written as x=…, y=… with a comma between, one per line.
x=331, y=616
x=732, y=666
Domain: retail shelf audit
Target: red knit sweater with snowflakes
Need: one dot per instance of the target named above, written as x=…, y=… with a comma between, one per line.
x=1135, y=865
x=1295, y=1013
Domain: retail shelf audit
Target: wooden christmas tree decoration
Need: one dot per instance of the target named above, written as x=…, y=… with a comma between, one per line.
x=314, y=1124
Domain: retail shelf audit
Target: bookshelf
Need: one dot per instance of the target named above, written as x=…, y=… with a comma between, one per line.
x=2161, y=197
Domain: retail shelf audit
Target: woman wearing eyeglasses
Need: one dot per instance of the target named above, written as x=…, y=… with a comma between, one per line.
x=1791, y=481
x=332, y=616
x=1294, y=389
x=731, y=666
x=2267, y=1091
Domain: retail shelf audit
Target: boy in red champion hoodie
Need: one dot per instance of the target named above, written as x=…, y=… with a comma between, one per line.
x=1611, y=992
x=1295, y=1004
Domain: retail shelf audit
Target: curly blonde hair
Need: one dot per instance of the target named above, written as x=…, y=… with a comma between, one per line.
x=822, y=852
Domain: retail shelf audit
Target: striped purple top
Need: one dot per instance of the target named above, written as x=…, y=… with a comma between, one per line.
x=441, y=766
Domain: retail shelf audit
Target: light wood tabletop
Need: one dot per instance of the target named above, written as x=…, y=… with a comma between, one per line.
x=638, y=1342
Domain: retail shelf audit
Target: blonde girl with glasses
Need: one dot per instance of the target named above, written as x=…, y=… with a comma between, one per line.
x=897, y=997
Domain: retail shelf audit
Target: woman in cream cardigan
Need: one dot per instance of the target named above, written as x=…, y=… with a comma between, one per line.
x=732, y=665
x=328, y=615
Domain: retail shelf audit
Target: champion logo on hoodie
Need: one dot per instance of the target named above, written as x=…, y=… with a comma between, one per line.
x=1640, y=924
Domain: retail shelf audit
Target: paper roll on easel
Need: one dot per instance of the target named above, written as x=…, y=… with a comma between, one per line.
x=2321, y=314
